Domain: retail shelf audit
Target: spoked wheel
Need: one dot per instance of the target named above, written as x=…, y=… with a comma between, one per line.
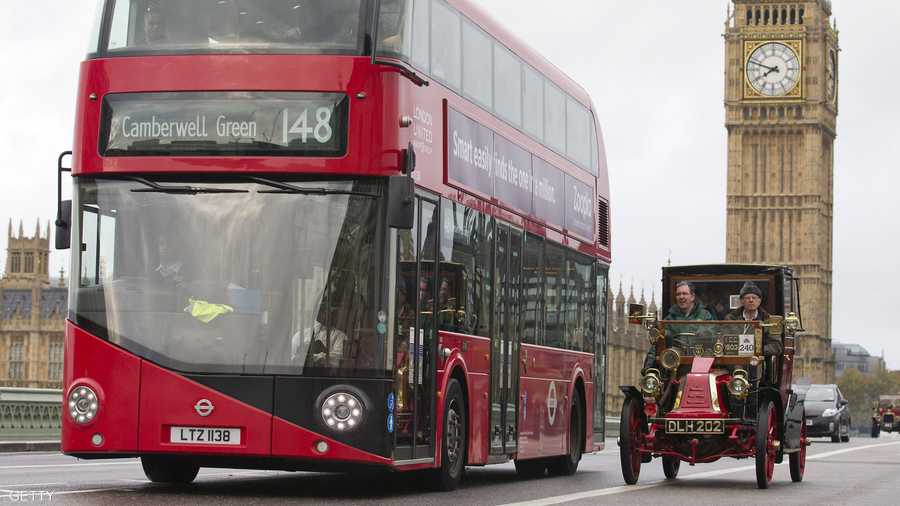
x=798, y=459
x=765, y=445
x=566, y=465
x=671, y=466
x=454, y=440
x=631, y=432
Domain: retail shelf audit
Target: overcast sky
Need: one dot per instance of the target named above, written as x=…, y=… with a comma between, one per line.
x=655, y=71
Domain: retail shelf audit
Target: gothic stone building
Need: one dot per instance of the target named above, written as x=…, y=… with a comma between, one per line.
x=627, y=347
x=781, y=106
x=32, y=314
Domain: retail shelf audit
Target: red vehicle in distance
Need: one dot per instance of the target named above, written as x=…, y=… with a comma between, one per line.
x=886, y=414
x=332, y=235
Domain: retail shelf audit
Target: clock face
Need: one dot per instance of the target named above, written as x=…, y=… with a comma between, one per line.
x=831, y=75
x=773, y=69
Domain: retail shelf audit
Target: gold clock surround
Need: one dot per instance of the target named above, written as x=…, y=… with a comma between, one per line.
x=750, y=93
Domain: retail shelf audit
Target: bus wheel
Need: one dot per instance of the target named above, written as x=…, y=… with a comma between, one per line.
x=566, y=465
x=163, y=470
x=533, y=468
x=454, y=440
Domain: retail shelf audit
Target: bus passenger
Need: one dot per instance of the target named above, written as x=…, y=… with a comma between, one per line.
x=750, y=310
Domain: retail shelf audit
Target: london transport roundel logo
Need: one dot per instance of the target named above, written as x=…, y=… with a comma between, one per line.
x=204, y=407
x=551, y=402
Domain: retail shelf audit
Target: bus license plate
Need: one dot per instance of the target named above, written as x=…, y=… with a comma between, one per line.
x=695, y=427
x=205, y=435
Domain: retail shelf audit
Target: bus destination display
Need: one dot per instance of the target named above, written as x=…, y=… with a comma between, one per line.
x=224, y=123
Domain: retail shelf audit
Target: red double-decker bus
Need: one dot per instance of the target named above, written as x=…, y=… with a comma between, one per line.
x=331, y=235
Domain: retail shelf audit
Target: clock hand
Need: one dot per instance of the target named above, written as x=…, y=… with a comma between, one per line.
x=763, y=66
x=771, y=69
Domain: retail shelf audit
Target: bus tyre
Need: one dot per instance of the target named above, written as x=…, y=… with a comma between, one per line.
x=454, y=440
x=671, y=466
x=766, y=451
x=163, y=470
x=566, y=465
x=529, y=469
x=631, y=434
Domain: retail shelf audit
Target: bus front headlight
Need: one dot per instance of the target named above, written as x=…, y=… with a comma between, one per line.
x=83, y=404
x=342, y=411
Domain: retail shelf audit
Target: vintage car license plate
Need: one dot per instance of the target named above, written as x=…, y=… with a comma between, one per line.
x=695, y=426
x=205, y=435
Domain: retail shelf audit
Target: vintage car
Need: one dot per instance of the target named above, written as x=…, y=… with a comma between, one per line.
x=886, y=415
x=714, y=391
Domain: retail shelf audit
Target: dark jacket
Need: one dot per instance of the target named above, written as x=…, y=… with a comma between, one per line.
x=771, y=345
x=698, y=312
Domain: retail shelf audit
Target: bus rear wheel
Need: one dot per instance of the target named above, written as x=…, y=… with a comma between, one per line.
x=566, y=465
x=454, y=440
x=164, y=470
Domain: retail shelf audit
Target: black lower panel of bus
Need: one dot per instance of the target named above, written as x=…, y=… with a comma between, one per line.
x=298, y=399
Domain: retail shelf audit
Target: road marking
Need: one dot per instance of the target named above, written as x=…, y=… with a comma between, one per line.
x=547, y=501
x=34, y=466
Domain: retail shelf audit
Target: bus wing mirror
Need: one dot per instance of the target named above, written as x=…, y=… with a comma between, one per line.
x=64, y=225
x=400, y=200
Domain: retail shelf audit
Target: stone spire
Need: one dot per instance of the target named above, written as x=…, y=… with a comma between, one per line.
x=37, y=229
x=631, y=299
x=9, y=231
x=653, y=307
x=48, y=229
x=643, y=300
x=21, y=230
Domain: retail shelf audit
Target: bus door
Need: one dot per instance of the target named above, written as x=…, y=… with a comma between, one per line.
x=415, y=335
x=505, y=342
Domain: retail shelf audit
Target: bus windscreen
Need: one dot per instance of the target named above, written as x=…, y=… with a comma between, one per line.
x=165, y=26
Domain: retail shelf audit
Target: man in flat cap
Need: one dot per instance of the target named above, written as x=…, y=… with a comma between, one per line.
x=750, y=310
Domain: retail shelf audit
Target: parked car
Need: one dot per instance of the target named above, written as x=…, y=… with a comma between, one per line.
x=827, y=413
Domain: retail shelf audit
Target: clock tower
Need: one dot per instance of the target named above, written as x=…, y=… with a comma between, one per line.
x=781, y=105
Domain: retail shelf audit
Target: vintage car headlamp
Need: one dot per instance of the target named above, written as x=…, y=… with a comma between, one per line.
x=83, y=404
x=670, y=358
x=739, y=386
x=342, y=411
x=792, y=322
x=650, y=383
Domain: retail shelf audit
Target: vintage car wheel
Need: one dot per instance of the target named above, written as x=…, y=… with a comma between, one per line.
x=631, y=432
x=671, y=466
x=797, y=460
x=566, y=465
x=453, y=441
x=876, y=430
x=766, y=435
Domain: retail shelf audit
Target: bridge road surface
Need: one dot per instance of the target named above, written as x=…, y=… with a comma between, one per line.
x=863, y=471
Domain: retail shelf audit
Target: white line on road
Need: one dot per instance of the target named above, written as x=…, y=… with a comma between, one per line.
x=34, y=466
x=559, y=499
